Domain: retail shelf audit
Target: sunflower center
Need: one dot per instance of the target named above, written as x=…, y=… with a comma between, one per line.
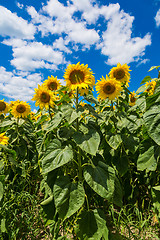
x=45, y=97
x=20, y=108
x=52, y=86
x=132, y=99
x=109, y=88
x=77, y=76
x=119, y=74
x=2, y=106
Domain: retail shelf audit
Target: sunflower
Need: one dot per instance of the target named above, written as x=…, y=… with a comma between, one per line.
x=52, y=83
x=79, y=76
x=43, y=97
x=132, y=98
x=120, y=73
x=4, y=107
x=150, y=87
x=107, y=87
x=20, y=109
x=3, y=139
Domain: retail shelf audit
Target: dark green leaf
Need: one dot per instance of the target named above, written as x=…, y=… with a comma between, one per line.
x=152, y=122
x=68, y=196
x=1, y=191
x=92, y=226
x=101, y=179
x=56, y=156
x=148, y=159
x=88, y=142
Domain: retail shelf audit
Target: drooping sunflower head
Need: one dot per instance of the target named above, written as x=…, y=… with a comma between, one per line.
x=150, y=87
x=132, y=98
x=120, y=73
x=108, y=88
x=52, y=83
x=43, y=97
x=79, y=76
x=3, y=139
x=20, y=109
x=4, y=107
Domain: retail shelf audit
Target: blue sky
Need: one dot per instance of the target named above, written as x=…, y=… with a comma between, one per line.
x=40, y=38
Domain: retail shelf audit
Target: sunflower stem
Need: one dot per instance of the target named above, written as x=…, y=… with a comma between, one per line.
x=79, y=150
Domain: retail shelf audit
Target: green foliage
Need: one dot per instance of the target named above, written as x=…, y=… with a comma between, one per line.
x=73, y=172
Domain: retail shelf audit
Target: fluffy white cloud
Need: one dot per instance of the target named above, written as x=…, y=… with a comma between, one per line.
x=157, y=18
x=19, y=87
x=118, y=44
x=13, y=26
x=29, y=56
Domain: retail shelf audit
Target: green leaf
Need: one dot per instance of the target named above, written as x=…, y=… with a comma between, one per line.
x=152, y=122
x=68, y=196
x=148, y=159
x=92, y=226
x=130, y=142
x=101, y=179
x=153, y=67
x=146, y=79
x=88, y=142
x=1, y=191
x=56, y=156
x=118, y=193
x=141, y=89
x=69, y=113
x=114, y=140
x=52, y=124
x=6, y=123
x=121, y=164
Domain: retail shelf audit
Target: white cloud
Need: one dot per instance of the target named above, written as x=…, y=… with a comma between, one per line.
x=157, y=18
x=20, y=5
x=16, y=87
x=60, y=44
x=29, y=56
x=118, y=44
x=13, y=26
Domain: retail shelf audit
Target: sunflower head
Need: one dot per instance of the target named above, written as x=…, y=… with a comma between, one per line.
x=3, y=139
x=132, y=98
x=108, y=88
x=43, y=97
x=4, y=107
x=52, y=83
x=79, y=76
x=120, y=73
x=20, y=109
x=150, y=87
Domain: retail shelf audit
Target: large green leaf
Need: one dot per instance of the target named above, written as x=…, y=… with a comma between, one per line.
x=1, y=191
x=88, y=142
x=68, y=196
x=152, y=122
x=146, y=79
x=92, y=226
x=148, y=159
x=57, y=118
x=56, y=156
x=101, y=179
x=114, y=140
x=118, y=193
x=70, y=113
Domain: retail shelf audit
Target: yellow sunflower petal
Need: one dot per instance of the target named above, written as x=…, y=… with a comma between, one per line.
x=79, y=76
x=120, y=73
x=20, y=109
x=52, y=83
x=3, y=139
x=43, y=97
x=108, y=88
x=4, y=107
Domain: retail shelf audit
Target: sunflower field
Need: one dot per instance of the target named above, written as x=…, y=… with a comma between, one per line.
x=82, y=167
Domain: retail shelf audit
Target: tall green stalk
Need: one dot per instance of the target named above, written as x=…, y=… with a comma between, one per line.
x=79, y=150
